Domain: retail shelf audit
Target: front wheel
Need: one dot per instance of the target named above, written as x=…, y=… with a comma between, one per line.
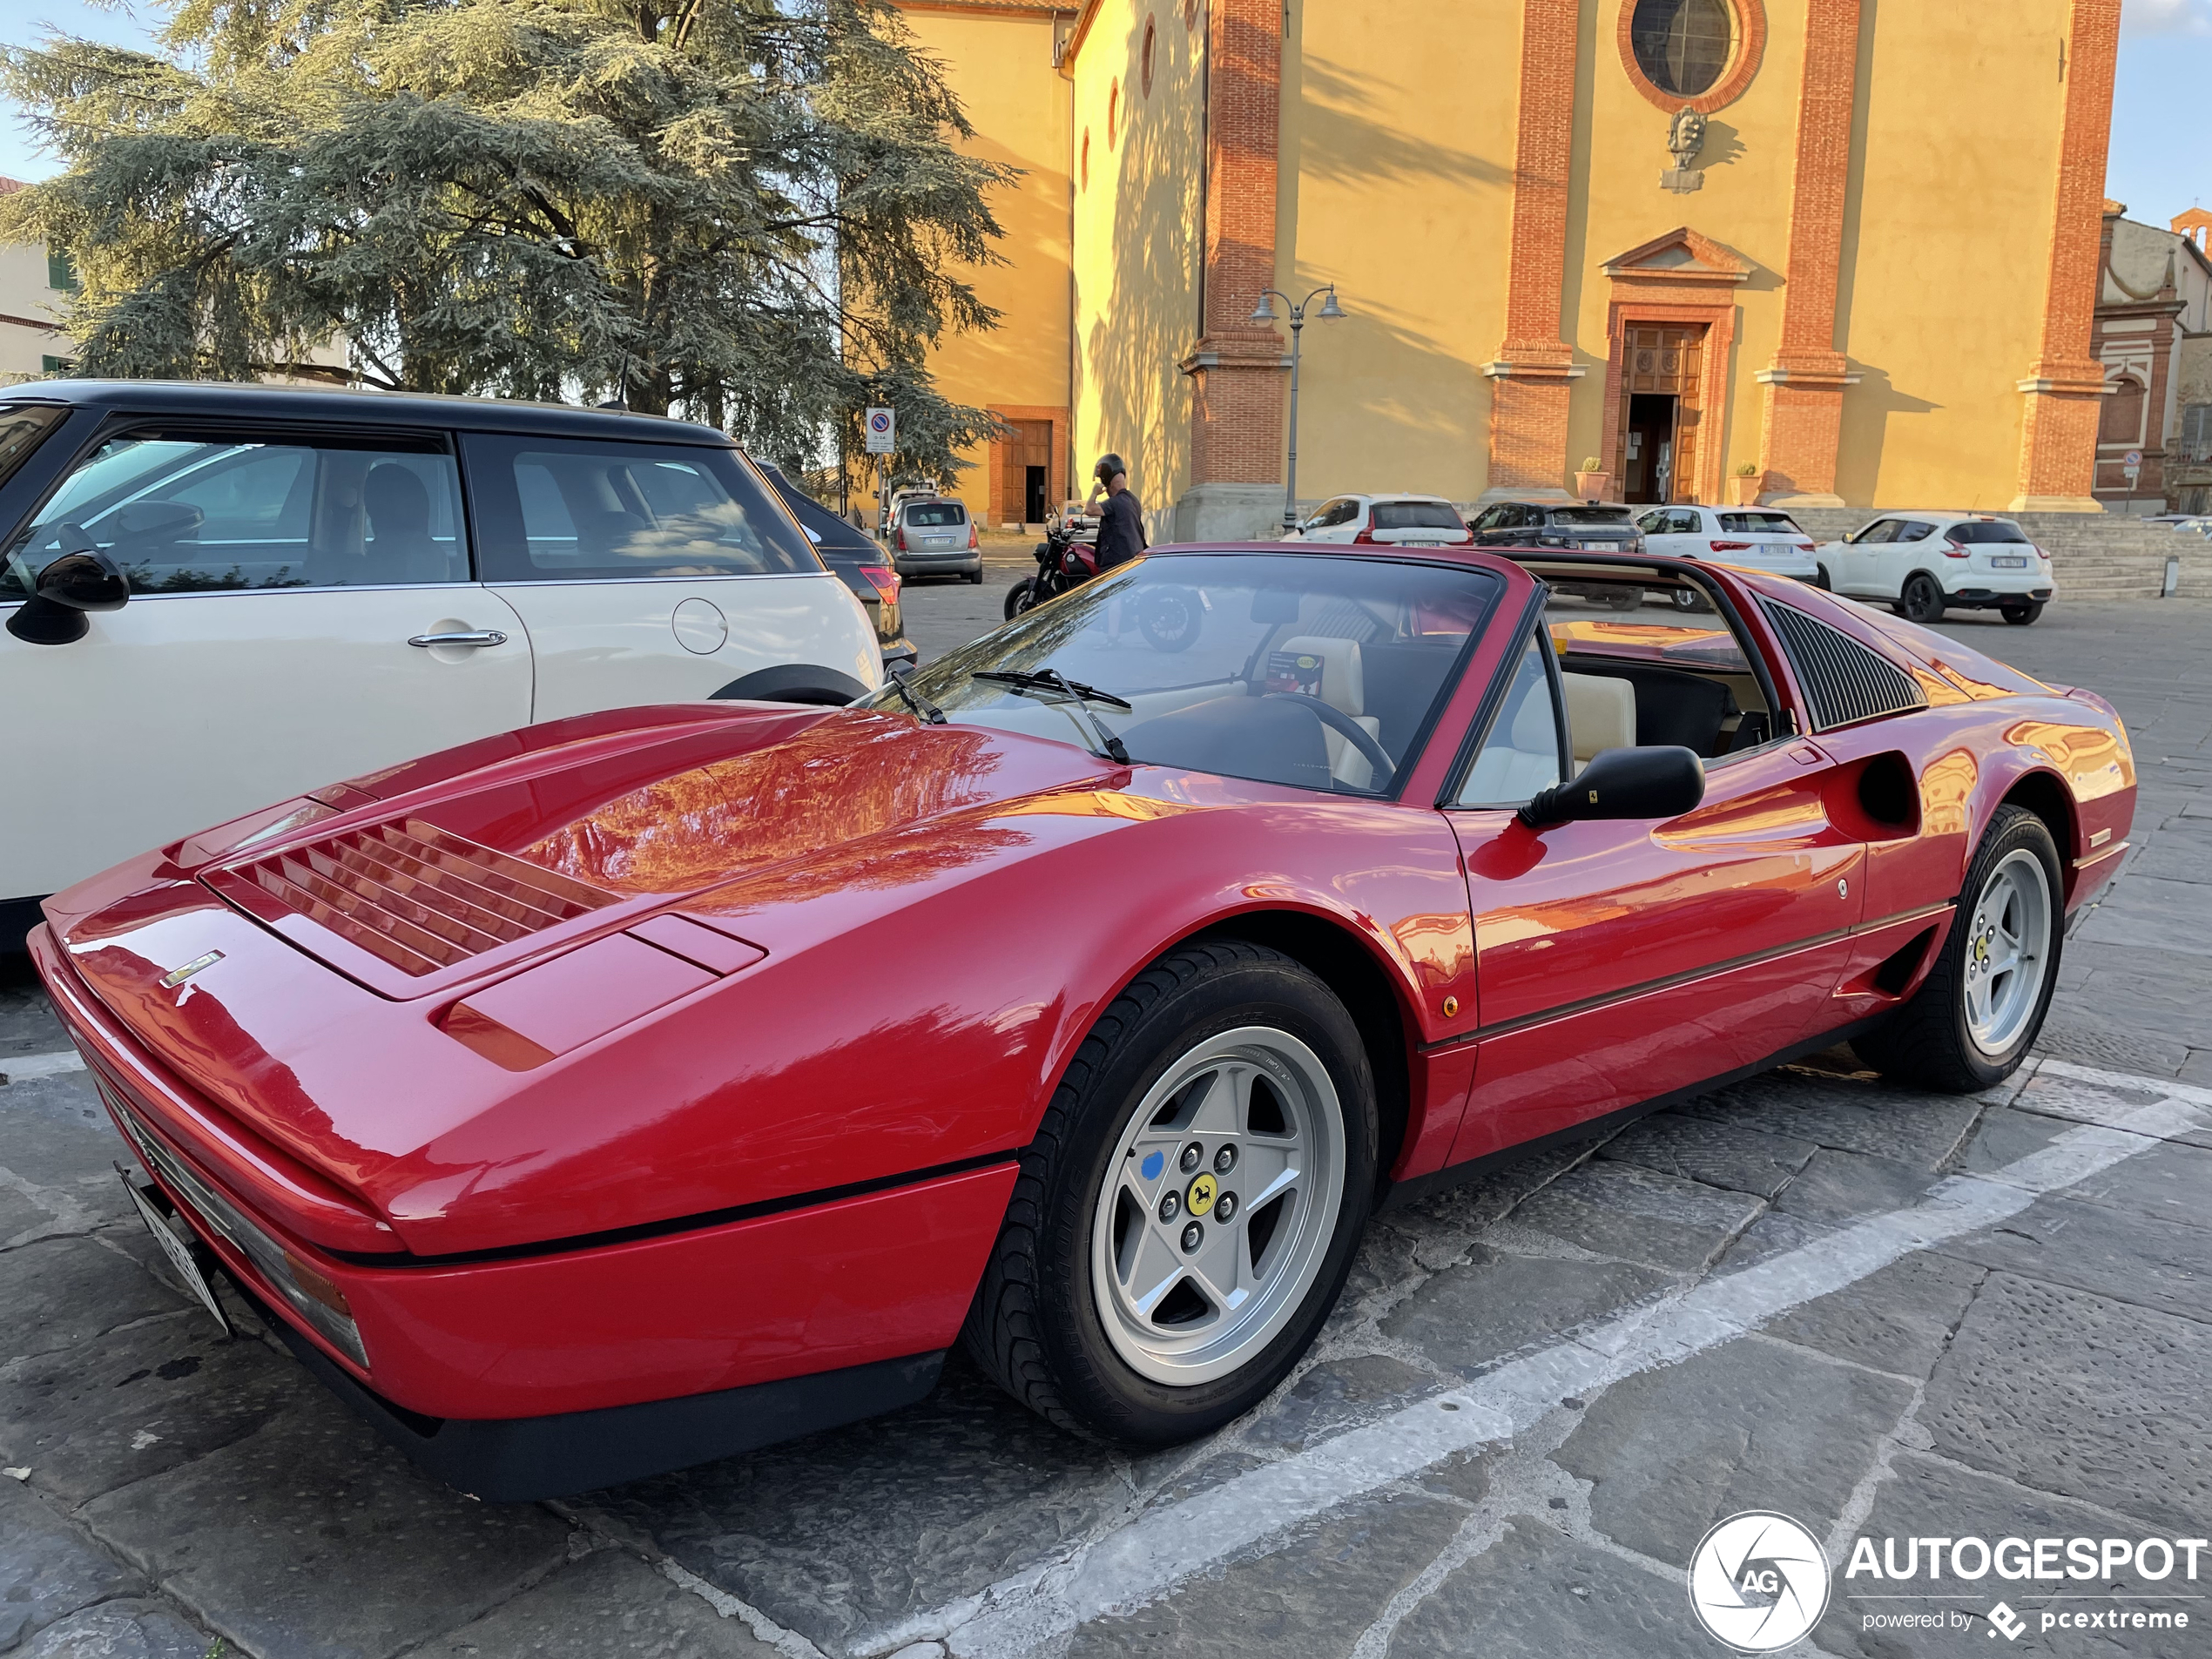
x=1187, y=1213
x=1820, y=579
x=1021, y=597
x=1972, y=1020
x=2020, y=616
x=1685, y=600
x=1922, y=601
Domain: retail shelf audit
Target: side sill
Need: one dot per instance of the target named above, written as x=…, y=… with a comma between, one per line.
x=1422, y=1186
x=522, y=1460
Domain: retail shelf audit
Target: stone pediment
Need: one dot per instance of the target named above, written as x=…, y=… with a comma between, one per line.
x=1682, y=255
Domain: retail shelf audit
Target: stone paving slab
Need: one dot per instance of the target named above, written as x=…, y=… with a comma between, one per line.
x=61, y=1293
x=1801, y=1105
x=1715, y=1153
x=1497, y=1304
x=49, y=1568
x=128, y=1630
x=610, y=1605
x=2074, y=1393
x=2131, y=1258
x=1751, y=1425
x=1898, y=1319
x=1639, y=1215
x=265, y=1540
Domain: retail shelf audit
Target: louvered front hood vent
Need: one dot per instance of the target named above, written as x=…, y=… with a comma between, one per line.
x=412, y=895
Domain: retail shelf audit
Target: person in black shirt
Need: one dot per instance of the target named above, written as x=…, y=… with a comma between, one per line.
x=1121, y=528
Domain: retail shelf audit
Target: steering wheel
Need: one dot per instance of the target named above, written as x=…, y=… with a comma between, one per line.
x=1351, y=731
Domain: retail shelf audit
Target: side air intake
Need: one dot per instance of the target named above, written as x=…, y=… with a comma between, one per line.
x=1844, y=682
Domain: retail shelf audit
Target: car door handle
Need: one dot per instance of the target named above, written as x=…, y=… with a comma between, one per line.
x=464, y=637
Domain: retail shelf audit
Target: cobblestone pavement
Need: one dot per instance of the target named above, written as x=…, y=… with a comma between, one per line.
x=1880, y=1313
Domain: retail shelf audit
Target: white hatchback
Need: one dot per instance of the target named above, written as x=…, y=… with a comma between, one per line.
x=1392, y=521
x=216, y=598
x=1923, y=563
x=1759, y=538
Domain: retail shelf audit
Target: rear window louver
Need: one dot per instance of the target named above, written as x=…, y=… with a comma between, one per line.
x=417, y=896
x=1844, y=682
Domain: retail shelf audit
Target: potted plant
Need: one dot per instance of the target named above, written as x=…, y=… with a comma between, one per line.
x=1590, y=479
x=1743, y=489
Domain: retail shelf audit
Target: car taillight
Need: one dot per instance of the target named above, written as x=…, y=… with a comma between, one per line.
x=1730, y=547
x=899, y=539
x=1955, y=550
x=2040, y=553
x=1366, y=537
x=972, y=543
x=884, y=582
x=1806, y=547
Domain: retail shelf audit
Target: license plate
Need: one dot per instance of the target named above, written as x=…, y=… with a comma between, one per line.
x=2008, y=562
x=176, y=1250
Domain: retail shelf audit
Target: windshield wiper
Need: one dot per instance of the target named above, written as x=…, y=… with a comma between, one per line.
x=925, y=710
x=1075, y=693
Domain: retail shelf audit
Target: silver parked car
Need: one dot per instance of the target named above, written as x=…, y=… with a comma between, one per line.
x=933, y=536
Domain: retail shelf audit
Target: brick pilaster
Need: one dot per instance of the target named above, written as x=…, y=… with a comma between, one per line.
x=1533, y=371
x=1802, y=428
x=1238, y=381
x=2065, y=388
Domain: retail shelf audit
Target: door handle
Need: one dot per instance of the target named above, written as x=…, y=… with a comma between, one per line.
x=464, y=637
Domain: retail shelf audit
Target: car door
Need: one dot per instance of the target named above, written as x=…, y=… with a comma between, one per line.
x=1856, y=566
x=301, y=611
x=1619, y=961
x=657, y=573
x=1659, y=536
x=1912, y=547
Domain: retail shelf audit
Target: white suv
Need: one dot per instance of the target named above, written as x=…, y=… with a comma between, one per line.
x=1393, y=521
x=1923, y=563
x=218, y=597
x=1758, y=538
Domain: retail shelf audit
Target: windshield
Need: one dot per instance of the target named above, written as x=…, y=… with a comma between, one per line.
x=1590, y=515
x=1308, y=670
x=1418, y=515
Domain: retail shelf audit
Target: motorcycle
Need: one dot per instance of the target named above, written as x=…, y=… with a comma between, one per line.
x=1065, y=558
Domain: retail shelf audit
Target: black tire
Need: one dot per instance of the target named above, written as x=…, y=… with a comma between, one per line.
x=1685, y=599
x=1927, y=1042
x=1021, y=597
x=1035, y=1325
x=1820, y=580
x=1922, y=601
x=2020, y=616
x=976, y=578
x=1170, y=618
x=1621, y=598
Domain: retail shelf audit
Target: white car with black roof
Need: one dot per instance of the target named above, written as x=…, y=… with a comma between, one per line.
x=1921, y=564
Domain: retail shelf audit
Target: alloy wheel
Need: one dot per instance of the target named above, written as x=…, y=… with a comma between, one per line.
x=1218, y=1205
x=2008, y=952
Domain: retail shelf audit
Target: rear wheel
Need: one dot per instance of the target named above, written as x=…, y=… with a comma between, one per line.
x=1622, y=598
x=1972, y=1020
x=1685, y=600
x=1922, y=600
x=2020, y=616
x=1186, y=1217
x=976, y=576
x=1820, y=579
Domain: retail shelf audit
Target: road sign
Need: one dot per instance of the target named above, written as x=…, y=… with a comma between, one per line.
x=882, y=427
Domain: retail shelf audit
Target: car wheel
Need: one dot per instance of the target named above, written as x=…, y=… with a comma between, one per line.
x=1021, y=597
x=1683, y=599
x=976, y=576
x=2020, y=616
x=1186, y=1214
x=1820, y=579
x=1622, y=598
x=1922, y=600
x=1972, y=1020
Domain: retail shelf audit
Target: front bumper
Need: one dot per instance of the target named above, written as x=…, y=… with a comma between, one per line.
x=636, y=1337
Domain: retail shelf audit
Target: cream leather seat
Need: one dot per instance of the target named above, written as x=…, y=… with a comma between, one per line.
x=1600, y=714
x=1520, y=760
x=1343, y=687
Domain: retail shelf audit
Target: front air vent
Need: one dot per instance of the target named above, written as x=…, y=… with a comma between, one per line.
x=1844, y=682
x=415, y=896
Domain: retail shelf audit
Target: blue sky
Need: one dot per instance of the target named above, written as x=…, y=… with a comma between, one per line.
x=2161, y=145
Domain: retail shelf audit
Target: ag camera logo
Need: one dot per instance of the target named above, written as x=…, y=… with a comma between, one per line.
x=1758, y=1582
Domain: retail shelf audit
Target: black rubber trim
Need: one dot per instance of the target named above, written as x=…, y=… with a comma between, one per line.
x=794, y=683
x=520, y=1459
x=1563, y=1011
x=682, y=1223
x=1402, y=1193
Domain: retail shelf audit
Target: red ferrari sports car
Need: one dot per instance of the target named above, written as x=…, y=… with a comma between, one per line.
x=631, y=1090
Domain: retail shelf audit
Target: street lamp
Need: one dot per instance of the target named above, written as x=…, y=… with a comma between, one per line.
x=1264, y=311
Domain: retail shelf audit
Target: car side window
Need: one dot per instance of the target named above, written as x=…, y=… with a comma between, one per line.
x=1687, y=522
x=1913, y=530
x=552, y=509
x=1340, y=512
x=1520, y=753
x=210, y=512
x=1879, y=534
x=1655, y=523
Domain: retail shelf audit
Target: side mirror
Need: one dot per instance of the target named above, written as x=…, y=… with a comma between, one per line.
x=1661, y=782
x=70, y=586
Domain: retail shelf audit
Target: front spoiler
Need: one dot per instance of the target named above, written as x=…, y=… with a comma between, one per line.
x=520, y=1459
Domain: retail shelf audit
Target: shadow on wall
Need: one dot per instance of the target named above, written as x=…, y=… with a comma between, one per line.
x=1867, y=409
x=1345, y=143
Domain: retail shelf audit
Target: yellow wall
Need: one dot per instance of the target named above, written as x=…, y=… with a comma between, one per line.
x=1943, y=283
x=1000, y=65
x=1138, y=247
x=1397, y=164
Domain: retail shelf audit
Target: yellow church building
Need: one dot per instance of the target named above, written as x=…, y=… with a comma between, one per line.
x=1850, y=252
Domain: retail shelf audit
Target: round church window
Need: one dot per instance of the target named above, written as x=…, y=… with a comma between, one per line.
x=1683, y=45
x=1701, y=53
